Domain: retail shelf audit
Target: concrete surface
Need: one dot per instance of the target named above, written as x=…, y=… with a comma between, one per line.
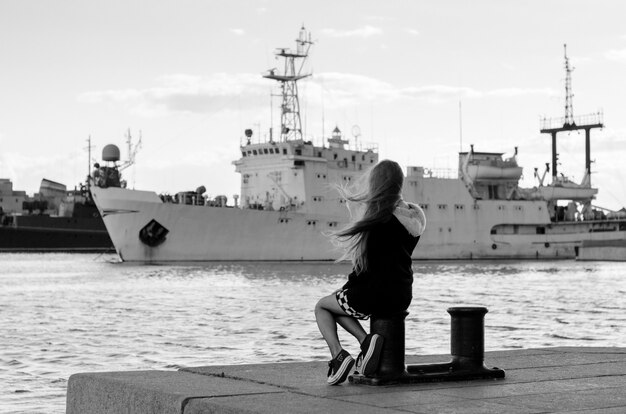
x=547, y=380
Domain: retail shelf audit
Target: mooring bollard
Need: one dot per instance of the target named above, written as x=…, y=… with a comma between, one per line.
x=391, y=328
x=467, y=347
x=467, y=336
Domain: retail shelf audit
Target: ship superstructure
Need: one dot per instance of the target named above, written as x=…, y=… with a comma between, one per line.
x=293, y=174
x=288, y=202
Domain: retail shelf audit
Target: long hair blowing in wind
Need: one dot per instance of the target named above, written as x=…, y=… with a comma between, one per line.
x=375, y=194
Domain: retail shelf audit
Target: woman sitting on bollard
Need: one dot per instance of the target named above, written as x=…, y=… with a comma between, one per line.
x=379, y=243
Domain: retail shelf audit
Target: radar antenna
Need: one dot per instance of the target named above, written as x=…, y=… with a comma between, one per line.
x=291, y=123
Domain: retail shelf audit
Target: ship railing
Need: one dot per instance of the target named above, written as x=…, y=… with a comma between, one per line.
x=445, y=173
x=595, y=118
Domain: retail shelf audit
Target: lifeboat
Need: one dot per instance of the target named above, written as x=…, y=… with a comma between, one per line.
x=494, y=171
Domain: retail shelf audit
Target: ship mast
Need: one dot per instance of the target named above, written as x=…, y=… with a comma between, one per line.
x=571, y=123
x=291, y=124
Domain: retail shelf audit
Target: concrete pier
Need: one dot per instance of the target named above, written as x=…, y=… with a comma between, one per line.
x=545, y=380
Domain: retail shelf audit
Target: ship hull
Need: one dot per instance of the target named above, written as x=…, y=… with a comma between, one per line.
x=482, y=230
x=44, y=233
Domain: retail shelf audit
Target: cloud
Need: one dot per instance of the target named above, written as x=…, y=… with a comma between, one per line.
x=348, y=89
x=412, y=32
x=187, y=94
x=182, y=93
x=365, y=31
x=238, y=32
x=616, y=55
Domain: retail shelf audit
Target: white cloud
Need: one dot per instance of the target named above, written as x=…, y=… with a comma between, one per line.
x=349, y=89
x=238, y=32
x=412, y=32
x=187, y=93
x=616, y=55
x=365, y=31
x=226, y=92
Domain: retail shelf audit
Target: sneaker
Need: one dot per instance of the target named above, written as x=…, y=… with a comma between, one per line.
x=339, y=368
x=370, y=348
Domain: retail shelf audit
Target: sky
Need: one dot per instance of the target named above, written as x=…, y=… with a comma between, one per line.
x=421, y=79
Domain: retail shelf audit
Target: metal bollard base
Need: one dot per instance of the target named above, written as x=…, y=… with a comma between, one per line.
x=446, y=371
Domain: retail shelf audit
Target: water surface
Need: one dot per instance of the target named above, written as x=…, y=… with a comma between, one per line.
x=66, y=313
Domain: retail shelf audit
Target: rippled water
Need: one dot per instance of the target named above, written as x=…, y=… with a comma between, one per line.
x=67, y=313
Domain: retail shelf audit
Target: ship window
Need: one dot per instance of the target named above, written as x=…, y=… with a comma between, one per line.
x=283, y=220
x=285, y=151
x=298, y=151
x=442, y=206
x=424, y=206
x=249, y=152
x=265, y=150
x=332, y=224
x=501, y=208
x=347, y=178
x=518, y=208
x=271, y=150
x=311, y=222
x=342, y=201
x=363, y=157
x=243, y=153
x=317, y=198
x=353, y=158
x=319, y=154
x=476, y=207
x=254, y=152
x=494, y=231
x=459, y=206
x=493, y=192
x=298, y=163
x=371, y=161
x=334, y=156
x=541, y=230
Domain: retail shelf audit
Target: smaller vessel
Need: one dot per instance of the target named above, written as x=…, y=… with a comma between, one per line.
x=53, y=219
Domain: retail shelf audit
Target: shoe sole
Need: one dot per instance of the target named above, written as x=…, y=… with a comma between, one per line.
x=342, y=373
x=372, y=356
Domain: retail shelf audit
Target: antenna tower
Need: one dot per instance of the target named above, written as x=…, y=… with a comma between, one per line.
x=569, y=106
x=291, y=123
x=570, y=123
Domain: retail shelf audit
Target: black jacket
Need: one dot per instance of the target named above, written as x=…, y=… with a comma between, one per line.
x=386, y=286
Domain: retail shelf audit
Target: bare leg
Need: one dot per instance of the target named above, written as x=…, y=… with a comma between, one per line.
x=327, y=314
x=352, y=326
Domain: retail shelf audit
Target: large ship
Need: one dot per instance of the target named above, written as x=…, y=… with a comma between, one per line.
x=288, y=204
